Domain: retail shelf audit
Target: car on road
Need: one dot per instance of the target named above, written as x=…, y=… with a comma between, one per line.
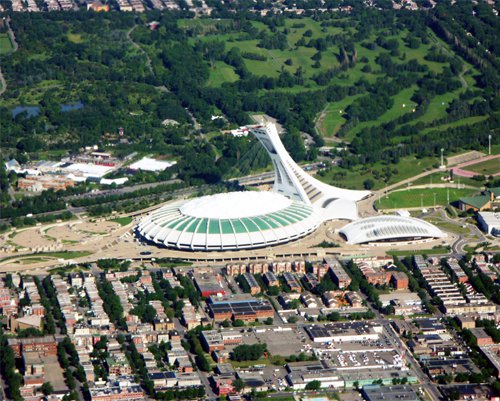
x=146, y=253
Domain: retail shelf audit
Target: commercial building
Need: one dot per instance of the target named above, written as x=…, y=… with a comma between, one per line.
x=489, y=222
x=45, y=346
x=344, y=332
x=481, y=337
x=492, y=352
x=270, y=279
x=252, y=283
x=389, y=393
x=477, y=203
x=208, y=284
x=339, y=275
x=212, y=340
x=292, y=282
x=399, y=280
x=240, y=307
x=456, y=270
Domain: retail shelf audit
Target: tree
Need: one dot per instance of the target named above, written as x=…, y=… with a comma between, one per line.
x=313, y=385
x=368, y=184
x=273, y=291
x=292, y=319
x=268, y=321
x=246, y=352
x=238, y=385
x=47, y=388
x=238, y=323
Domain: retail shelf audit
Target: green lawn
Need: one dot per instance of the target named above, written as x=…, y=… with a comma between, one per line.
x=447, y=226
x=221, y=72
x=75, y=38
x=487, y=167
x=65, y=255
x=421, y=197
x=123, y=221
x=246, y=364
x=433, y=251
x=5, y=44
x=334, y=116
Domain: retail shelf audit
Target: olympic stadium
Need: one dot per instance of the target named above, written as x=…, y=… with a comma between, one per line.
x=297, y=205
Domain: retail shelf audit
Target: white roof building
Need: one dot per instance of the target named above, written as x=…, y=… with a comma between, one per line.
x=389, y=228
x=148, y=164
x=489, y=222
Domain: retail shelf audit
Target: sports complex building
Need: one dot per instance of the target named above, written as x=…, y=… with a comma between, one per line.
x=296, y=207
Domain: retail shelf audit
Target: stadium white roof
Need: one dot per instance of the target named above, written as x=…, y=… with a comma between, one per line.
x=389, y=228
x=230, y=221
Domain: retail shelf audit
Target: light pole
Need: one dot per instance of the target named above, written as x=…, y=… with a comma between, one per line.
x=421, y=201
x=442, y=159
x=434, y=200
x=489, y=144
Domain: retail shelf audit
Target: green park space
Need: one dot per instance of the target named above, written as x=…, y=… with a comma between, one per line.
x=220, y=72
x=332, y=117
x=75, y=38
x=415, y=198
x=123, y=221
x=448, y=226
x=440, y=250
x=487, y=167
x=5, y=44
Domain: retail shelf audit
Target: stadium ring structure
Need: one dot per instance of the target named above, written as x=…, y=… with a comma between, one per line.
x=229, y=221
x=389, y=228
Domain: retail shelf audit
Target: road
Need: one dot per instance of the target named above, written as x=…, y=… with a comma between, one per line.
x=398, y=344
x=15, y=46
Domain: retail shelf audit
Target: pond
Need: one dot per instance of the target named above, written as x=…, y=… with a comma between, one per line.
x=33, y=111
x=70, y=107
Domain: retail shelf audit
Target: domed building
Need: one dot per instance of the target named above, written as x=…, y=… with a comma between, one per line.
x=230, y=221
x=389, y=228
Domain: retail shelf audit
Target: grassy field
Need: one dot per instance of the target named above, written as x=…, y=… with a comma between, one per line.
x=333, y=117
x=487, y=167
x=421, y=197
x=220, y=72
x=246, y=364
x=5, y=44
x=75, y=38
x=447, y=226
x=123, y=221
x=434, y=251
